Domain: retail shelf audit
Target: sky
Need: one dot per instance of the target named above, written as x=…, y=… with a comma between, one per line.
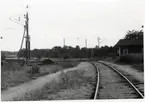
x=50, y=21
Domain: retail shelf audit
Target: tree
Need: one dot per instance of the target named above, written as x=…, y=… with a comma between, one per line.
x=3, y=57
x=134, y=34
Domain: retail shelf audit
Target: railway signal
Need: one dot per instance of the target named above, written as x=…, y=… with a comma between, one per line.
x=26, y=30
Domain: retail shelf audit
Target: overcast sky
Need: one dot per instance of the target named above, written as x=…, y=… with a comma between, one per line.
x=52, y=20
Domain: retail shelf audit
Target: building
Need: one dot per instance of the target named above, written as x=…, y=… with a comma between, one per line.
x=131, y=45
x=125, y=46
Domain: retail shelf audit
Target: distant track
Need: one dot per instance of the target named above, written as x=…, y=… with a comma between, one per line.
x=113, y=84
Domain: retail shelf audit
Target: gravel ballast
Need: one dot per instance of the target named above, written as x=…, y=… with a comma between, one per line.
x=134, y=75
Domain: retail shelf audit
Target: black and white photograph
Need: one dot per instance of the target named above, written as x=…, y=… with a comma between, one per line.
x=72, y=50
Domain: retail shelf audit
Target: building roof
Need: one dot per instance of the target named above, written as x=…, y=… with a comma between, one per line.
x=129, y=42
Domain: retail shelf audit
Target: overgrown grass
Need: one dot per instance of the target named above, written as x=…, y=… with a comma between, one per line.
x=131, y=59
x=12, y=74
x=69, y=64
x=134, y=63
x=139, y=67
x=71, y=80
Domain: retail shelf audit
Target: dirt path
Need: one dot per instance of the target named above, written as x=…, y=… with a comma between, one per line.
x=19, y=91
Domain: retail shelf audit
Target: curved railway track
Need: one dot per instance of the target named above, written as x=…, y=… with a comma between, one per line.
x=112, y=84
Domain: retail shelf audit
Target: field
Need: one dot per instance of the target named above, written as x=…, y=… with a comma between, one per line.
x=12, y=74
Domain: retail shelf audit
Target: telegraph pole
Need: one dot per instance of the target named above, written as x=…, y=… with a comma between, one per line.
x=27, y=37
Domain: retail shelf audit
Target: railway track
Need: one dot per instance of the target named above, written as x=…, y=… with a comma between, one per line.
x=111, y=84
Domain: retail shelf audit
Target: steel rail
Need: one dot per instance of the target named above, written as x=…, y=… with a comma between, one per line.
x=134, y=87
x=98, y=80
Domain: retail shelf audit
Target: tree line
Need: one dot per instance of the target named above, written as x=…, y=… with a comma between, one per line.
x=71, y=52
x=77, y=52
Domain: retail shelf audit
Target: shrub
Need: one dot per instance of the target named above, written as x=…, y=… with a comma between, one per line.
x=12, y=74
x=47, y=61
x=132, y=58
x=2, y=63
x=33, y=69
x=3, y=57
x=69, y=64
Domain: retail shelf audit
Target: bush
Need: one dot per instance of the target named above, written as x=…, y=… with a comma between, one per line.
x=12, y=74
x=3, y=57
x=47, y=61
x=132, y=58
x=33, y=69
x=2, y=63
x=69, y=64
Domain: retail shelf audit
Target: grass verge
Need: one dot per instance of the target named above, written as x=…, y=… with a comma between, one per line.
x=134, y=64
x=139, y=67
x=12, y=74
x=72, y=80
x=69, y=64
